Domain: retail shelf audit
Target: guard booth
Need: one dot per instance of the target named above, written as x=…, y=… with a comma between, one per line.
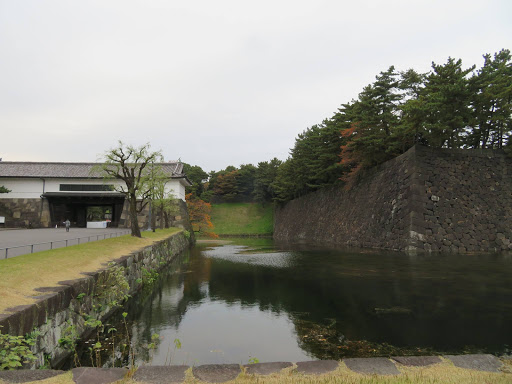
x=85, y=210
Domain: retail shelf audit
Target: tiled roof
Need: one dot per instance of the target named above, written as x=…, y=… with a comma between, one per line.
x=69, y=170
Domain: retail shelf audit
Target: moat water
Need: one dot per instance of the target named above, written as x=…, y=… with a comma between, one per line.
x=255, y=300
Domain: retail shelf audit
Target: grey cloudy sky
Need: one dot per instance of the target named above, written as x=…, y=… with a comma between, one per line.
x=215, y=83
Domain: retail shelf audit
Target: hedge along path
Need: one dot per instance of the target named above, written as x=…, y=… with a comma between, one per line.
x=21, y=275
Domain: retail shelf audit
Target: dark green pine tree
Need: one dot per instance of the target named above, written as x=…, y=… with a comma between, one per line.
x=196, y=175
x=375, y=114
x=324, y=166
x=446, y=101
x=301, y=154
x=313, y=163
x=287, y=185
x=265, y=177
x=492, y=102
x=412, y=113
x=245, y=180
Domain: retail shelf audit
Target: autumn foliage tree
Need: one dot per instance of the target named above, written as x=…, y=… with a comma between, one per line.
x=199, y=214
x=350, y=159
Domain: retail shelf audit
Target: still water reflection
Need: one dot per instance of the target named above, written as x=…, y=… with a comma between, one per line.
x=229, y=303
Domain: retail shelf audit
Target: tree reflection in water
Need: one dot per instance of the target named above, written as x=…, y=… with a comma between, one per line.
x=254, y=298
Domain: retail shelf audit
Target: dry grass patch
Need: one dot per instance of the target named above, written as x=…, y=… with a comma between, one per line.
x=21, y=275
x=444, y=373
x=65, y=378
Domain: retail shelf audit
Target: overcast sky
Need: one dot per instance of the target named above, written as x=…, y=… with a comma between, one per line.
x=215, y=83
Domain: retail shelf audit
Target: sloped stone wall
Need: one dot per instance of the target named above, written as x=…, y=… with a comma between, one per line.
x=433, y=200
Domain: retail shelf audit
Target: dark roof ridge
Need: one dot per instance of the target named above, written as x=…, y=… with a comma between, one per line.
x=69, y=170
x=73, y=162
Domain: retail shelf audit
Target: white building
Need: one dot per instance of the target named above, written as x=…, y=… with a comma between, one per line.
x=45, y=194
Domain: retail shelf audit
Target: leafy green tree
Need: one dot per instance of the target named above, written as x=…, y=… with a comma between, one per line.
x=232, y=182
x=226, y=184
x=4, y=190
x=214, y=175
x=163, y=202
x=134, y=166
x=245, y=180
x=197, y=176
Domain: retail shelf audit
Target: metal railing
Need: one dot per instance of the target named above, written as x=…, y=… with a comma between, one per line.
x=63, y=243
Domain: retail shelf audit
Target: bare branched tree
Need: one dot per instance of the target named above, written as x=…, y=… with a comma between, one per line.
x=136, y=167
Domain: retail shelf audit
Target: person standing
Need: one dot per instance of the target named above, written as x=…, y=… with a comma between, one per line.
x=68, y=224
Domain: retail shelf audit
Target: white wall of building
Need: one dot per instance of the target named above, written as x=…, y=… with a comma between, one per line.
x=177, y=188
x=33, y=188
x=22, y=188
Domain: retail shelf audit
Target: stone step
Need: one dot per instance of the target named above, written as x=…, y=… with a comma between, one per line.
x=220, y=373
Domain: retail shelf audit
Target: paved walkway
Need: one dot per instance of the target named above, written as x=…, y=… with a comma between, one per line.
x=18, y=242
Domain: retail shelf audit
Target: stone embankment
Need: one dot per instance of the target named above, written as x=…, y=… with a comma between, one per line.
x=62, y=312
x=219, y=373
x=432, y=200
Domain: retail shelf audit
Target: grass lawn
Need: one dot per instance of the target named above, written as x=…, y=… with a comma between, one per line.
x=242, y=219
x=444, y=373
x=20, y=275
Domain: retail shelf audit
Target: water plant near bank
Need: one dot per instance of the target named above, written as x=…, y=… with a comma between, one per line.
x=15, y=351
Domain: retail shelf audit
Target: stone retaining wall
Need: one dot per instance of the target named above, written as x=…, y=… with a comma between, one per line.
x=35, y=213
x=463, y=201
x=71, y=302
x=433, y=200
x=27, y=213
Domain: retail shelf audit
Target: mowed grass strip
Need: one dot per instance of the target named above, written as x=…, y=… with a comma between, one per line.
x=242, y=219
x=444, y=373
x=20, y=275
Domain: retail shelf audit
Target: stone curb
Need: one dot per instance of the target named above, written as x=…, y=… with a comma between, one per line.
x=24, y=376
x=480, y=362
x=220, y=373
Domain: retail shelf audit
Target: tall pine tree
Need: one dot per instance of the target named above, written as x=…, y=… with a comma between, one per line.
x=446, y=101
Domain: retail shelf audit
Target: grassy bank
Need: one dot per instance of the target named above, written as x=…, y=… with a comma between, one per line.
x=21, y=275
x=242, y=219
